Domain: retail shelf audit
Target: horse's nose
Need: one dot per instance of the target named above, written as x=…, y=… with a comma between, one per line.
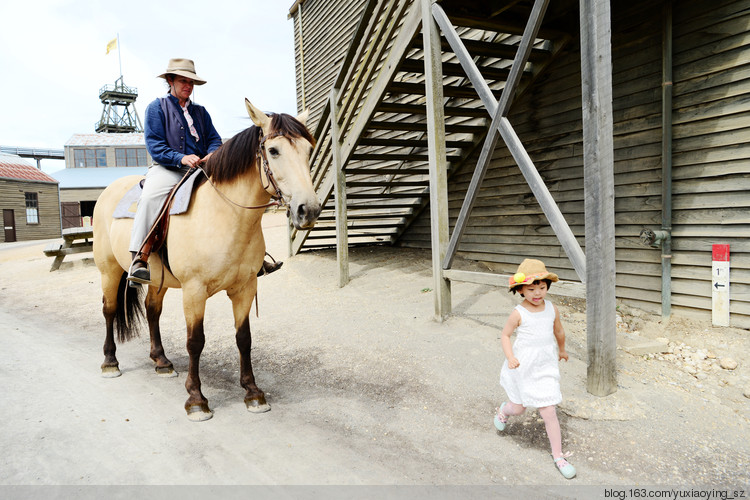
x=308, y=213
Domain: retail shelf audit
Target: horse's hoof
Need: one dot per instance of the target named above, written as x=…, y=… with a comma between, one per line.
x=257, y=404
x=198, y=413
x=111, y=371
x=166, y=371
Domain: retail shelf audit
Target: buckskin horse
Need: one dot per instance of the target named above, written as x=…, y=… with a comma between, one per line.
x=216, y=245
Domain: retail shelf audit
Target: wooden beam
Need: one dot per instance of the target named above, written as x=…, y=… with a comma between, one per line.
x=565, y=288
x=599, y=196
x=342, y=234
x=488, y=148
x=466, y=60
x=522, y=56
x=438, y=162
x=501, y=110
x=543, y=196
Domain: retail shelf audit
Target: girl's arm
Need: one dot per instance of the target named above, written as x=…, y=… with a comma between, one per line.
x=514, y=320
x=559, y=332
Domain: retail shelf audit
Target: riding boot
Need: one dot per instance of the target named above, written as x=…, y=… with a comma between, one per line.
x=269, y=267
x=139, y=272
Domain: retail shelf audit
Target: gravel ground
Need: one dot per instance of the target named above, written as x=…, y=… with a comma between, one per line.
x=366, y=387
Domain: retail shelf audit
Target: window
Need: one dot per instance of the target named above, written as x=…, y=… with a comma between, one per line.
x=90, y=157
x=131, y=157
x=32, y=208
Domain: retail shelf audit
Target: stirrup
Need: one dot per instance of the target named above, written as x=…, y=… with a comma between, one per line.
x=272, y=267
x=140, y=275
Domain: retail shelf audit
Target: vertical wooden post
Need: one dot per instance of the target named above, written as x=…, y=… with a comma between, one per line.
x=598, y=175
x=437, y=158
x=342, y=235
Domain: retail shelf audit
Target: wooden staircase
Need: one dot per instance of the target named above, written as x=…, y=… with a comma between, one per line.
x=378, y=103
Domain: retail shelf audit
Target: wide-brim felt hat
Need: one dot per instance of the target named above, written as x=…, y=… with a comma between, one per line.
x=182, y=67
x=529, y=271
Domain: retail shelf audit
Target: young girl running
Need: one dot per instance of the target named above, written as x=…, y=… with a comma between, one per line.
x=530, y=374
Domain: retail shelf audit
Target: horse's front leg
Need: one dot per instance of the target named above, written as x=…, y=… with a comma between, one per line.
x=110, y=282
x=242, y=301
x=154, y=302
x=194, y=305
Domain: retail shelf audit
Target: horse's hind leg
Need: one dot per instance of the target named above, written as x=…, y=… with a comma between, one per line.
x=154, y=302
x=255, y=399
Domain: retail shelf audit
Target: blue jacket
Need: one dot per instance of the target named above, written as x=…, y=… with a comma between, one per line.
x=167, y=136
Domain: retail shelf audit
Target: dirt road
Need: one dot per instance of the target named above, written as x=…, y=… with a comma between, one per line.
x=365, y=387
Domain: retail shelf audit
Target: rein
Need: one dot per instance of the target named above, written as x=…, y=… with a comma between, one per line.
x=261, y=160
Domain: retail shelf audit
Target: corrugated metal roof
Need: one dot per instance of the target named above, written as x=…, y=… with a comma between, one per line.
x=15, y=167
x=82, y=178
x=135, y=139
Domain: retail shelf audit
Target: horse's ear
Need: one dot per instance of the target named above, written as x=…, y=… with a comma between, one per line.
x=302, y=117
x=257, y=116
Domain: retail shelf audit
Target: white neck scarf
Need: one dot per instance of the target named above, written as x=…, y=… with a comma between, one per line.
x=189, y=119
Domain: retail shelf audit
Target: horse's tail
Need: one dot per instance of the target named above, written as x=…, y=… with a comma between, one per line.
x=130, y=313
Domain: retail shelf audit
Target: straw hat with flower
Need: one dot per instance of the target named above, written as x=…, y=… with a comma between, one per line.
x=529, y=271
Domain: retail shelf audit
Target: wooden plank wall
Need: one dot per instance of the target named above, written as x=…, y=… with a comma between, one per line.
x=710, y=158
x=324, y=49
x=12, y=197
x=711, y=178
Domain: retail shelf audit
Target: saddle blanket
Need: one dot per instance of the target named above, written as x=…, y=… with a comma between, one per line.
x=126, y=207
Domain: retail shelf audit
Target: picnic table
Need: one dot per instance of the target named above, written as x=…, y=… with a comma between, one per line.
x=75, y=240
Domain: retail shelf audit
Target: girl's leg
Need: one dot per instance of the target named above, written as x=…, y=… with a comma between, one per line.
x=511, y=409
x=549, y=415
x=506, y=410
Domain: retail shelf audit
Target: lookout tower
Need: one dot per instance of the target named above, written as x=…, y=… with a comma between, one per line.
x=118, y=116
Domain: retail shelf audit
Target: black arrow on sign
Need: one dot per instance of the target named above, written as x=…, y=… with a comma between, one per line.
x=717, y=285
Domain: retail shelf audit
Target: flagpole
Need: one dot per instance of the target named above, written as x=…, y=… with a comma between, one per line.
x=119, y=54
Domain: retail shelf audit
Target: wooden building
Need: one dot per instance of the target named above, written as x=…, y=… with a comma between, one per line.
x=92, y=162
x=29, y=201
x=674, y=101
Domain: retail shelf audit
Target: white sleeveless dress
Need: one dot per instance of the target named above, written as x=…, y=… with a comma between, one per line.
x=536, y=382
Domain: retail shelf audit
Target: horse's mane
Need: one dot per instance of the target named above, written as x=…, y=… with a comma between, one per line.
x=239, y=153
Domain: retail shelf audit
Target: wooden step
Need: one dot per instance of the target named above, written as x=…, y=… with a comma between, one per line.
x=397, y=157
x=422, y=127
x=489, y=49
x=416, y=109
x=406, y=143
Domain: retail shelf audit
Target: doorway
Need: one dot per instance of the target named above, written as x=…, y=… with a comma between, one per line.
x=9, y=225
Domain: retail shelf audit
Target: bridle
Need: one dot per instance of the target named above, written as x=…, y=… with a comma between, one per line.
x=277, y=199
x=263, y=159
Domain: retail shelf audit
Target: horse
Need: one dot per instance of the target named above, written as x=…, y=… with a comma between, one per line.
x=217, y=245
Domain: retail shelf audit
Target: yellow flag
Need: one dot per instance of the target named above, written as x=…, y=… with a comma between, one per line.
x=112, y=45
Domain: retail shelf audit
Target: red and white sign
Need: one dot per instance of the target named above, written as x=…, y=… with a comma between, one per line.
x=720, y=285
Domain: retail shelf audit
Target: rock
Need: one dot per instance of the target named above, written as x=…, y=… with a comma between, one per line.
x=746, y=391
x=728, y=363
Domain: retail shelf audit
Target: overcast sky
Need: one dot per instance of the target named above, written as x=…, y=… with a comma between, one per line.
x=53, y=61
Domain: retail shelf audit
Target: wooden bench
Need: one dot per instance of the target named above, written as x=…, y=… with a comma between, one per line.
x=71, y=244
